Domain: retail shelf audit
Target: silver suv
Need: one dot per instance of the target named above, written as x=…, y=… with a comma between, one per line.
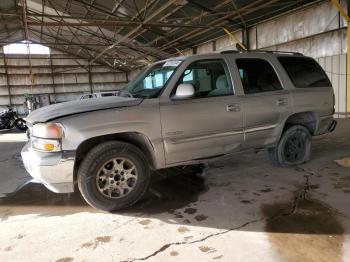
x=180, y=111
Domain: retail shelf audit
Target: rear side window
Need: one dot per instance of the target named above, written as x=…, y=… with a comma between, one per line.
x=257, y=76
x=305, y=72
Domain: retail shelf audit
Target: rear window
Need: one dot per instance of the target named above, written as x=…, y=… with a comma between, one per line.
x=305, y=72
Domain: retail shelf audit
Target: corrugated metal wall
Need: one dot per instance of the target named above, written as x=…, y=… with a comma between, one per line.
x=318, y=31
x=335, y=67
x=59, y=77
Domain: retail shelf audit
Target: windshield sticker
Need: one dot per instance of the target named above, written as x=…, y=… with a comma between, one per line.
x=174, y=63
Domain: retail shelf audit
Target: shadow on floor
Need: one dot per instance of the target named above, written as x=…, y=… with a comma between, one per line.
x=176, y=189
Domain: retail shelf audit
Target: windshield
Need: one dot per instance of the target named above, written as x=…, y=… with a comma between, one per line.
x=152, y=81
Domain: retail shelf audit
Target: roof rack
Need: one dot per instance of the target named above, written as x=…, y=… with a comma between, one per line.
x=230, y=52
x=260, y=51
x=283, y=52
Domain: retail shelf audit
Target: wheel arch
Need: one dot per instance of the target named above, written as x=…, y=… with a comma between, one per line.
x=308, y=119
x=135, y=138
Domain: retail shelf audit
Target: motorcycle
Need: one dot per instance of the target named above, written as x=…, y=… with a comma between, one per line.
x=10, y=119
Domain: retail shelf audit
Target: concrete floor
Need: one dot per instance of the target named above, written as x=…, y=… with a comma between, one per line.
x=240, y=209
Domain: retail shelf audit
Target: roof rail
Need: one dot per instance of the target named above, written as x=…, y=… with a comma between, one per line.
x=260, y=51
x=230, y=52
x=282, y=52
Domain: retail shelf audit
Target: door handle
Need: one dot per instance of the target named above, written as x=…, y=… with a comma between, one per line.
x=233, y=108
x=282, y=102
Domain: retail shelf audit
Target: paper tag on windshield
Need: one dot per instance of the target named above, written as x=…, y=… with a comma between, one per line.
x=174, y=63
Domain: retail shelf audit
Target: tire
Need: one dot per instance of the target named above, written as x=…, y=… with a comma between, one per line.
x=102, y=168
x=20, y=124
x=294, y=147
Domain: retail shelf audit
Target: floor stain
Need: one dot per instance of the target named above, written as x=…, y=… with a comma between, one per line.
x=206, y=249
x=187, y=221
x=145, y=222
x=220, y=184
x=9, y=248
x=312, y=223
x=246, y=202
x=266, y=190
x=200, y=218
x=345, y=162
x=20, y=236
x=87, y=245
x=36, y=199
x=174, y=253
x=343, y=182
x=314, y=186
x=65, y=259
x=218, y=257
x=183, y=230
x=97, y=242
x=172, y=189
x=190, y=211
x=188, y=238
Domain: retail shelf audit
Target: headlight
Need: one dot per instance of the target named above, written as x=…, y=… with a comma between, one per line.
x=47, y=137
x=50, y=130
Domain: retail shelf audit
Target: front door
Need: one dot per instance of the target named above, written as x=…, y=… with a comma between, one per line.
x=210, y=123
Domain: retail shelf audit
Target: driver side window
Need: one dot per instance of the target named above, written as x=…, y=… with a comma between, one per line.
x=209, y=78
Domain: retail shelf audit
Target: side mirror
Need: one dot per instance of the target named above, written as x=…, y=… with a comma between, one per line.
x=184, y=91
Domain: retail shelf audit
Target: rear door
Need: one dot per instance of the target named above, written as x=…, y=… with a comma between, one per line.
x=265, y=102
x=210, y=123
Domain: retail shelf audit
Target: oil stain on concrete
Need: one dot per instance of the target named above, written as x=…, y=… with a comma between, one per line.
x=174, y=253
x=98, y=241
x=65, y=259
x=171, y=190
x=344, y=162
x=145, y=222
x=310, y=233
x=183, y=230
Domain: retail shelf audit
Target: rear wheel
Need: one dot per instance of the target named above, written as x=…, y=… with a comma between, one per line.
x=113, y=175
x=294, y=147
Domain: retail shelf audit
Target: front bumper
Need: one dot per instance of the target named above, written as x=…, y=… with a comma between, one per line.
x=54, y=170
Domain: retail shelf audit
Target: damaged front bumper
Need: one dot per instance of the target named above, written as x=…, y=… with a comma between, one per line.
x=54, y=170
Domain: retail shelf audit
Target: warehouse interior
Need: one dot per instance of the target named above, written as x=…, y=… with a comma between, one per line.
x=236, y=209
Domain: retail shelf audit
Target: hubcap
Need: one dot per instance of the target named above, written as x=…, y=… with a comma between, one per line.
x=116, y=178
x=295, y=147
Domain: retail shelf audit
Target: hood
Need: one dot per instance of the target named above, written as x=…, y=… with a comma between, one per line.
x=80, y=106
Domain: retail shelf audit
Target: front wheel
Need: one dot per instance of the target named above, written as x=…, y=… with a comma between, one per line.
x=294, y=147
x=113, y=175
x=20, y=124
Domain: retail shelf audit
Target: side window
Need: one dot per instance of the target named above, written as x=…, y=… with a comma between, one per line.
x=209, y=78
x=305, y=72
x=257, y=76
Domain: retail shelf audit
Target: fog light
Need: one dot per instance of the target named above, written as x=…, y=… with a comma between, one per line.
x=46, y=145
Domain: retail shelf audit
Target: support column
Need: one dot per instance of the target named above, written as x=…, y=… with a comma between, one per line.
x=90, y=79
x=245, y=37
x=348, y=62
x=53, y=81
x=7, y=78
x=345, y=14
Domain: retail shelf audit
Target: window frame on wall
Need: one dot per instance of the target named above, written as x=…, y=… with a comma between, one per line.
x=26, y=48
